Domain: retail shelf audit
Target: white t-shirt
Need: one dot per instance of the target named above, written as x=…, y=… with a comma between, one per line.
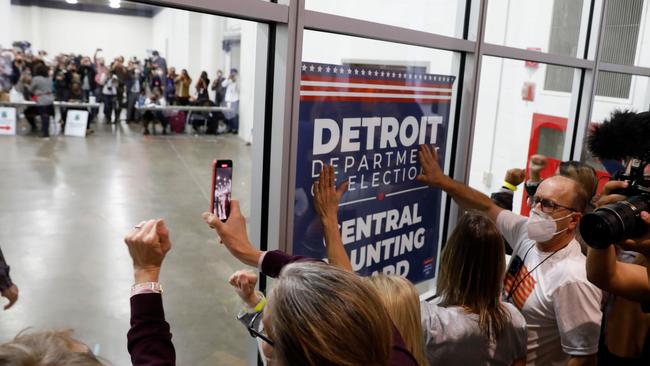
x=561, y=307
x=452, y=337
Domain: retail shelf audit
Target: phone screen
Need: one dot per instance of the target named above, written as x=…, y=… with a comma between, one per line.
x=221, y=188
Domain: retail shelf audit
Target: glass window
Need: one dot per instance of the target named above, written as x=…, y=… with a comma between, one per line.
x=80, y=196
x=557, y=27
x=355, y=94
x=637, y=101
x=620, y=46
x=625, y=35
x=515, y=120
x=442, y=17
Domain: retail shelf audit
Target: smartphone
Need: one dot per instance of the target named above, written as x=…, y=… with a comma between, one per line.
x=221, y=188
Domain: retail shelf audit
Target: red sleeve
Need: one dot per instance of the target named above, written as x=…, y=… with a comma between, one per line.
x=149, y=339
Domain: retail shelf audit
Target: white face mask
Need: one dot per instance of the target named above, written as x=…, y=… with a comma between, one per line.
x=542, y=227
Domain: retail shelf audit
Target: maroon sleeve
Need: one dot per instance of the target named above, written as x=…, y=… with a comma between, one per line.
x=149, y=339
x=400, y=355
x=275, y=260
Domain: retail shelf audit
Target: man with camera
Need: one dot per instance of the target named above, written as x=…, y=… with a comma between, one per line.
x=546, y=278
x=621, y=217
x=627, y=280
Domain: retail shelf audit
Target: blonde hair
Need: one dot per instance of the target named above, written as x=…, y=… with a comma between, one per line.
x=472, y=266
x=318, y=314
x=52, y=348
x=402, y=302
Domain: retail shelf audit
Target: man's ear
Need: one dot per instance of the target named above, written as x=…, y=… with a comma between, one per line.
x=575, y=220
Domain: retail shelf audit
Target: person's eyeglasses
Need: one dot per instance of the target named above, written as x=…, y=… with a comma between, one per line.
x=252, y=329
x=548, y=206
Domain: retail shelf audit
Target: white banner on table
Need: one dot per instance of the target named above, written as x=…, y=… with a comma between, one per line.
x=76, y=123
x=7, y=121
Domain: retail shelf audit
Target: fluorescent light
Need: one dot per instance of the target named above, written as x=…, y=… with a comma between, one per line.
x=115, y=4
x=71, y=1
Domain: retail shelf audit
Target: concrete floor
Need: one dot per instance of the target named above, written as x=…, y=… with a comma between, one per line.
x=66, y=204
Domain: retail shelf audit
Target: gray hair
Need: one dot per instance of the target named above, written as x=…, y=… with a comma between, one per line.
x=322, y=315
x=46, y=348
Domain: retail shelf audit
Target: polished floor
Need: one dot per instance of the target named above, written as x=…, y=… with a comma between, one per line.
x=65, y=205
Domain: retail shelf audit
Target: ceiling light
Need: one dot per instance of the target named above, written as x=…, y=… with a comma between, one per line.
x=115, y=4
x=71, y=1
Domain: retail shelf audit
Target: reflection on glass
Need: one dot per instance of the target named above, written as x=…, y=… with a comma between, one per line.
x=551, y=142
x=556, y=27
x=444, y=17
x=516, y=120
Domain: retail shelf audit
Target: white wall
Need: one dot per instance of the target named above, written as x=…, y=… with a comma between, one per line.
x=419, y=15
x=5, y=23
x=189, y=41
x=252, y=77
x=56, y=31
x=435, y=16
x=170, y=36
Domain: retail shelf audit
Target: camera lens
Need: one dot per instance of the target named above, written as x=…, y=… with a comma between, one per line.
x=614, y=223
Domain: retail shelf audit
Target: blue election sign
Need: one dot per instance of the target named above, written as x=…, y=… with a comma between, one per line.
x=369, y=122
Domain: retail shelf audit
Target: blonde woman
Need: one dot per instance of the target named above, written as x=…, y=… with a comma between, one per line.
x=471, y=325
x=401, y=300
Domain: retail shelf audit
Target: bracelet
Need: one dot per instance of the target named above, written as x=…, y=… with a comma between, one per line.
x=509, y=186
x=260, y=305
x=146, y=288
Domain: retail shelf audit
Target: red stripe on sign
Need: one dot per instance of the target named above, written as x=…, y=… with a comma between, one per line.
x=366, y=90
x=406, y=82
x=372, y=99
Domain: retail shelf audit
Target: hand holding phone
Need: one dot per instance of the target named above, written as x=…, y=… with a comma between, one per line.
x=221, y=188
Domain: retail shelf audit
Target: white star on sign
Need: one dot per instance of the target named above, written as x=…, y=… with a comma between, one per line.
x=311, y=67
x=363, y=72
x=320, y=69
x=328, y=69
x=356, y=72
x=376, y=73
x=304, y=67
x=349, y=71
x=336, y=69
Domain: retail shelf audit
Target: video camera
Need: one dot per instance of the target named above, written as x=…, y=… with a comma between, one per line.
x=625, y=136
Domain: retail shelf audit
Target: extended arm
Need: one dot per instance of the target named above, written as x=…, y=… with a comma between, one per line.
x=7, y=288
x=622, y=279
x=326, y=202
x=149, y=338
x=463, y=194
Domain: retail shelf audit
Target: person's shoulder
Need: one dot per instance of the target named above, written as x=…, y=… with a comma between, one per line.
x=444, y=314
x=516, y=317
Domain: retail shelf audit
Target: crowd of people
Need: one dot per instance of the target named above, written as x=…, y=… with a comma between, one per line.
x=118, y=85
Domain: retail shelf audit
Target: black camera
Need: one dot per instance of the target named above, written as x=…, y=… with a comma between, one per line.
x=625, y=136
x=621, y=220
